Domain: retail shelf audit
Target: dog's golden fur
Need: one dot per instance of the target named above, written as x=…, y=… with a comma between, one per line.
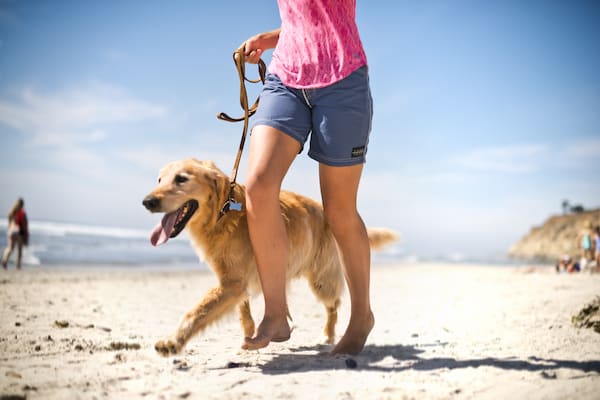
x=224, y=244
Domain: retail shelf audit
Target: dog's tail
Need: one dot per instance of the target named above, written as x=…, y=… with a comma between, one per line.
x=379, y=237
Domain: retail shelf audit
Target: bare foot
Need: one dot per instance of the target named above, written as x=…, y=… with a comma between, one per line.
x=268, y=331
x=355, y=336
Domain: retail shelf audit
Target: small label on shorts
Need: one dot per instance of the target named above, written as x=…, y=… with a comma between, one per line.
x=358, y=151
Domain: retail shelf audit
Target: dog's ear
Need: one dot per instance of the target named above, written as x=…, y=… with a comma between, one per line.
x=217, y=179
x=208, y=164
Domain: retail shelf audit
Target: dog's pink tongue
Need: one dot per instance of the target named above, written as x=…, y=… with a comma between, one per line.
x=160, y=234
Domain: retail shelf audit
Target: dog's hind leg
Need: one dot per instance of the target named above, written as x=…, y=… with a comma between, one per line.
x=246, y=318
x=217, y=303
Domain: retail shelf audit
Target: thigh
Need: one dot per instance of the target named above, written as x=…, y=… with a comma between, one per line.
x=14, y=238
x=271, y=154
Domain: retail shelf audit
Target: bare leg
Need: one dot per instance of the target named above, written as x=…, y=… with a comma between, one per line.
x=5, y=256
x=19, y=254
x=271, y=154
x=339, y=187
x=7, y=252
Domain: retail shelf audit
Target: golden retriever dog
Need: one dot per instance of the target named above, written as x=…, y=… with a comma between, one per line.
x=192, y=193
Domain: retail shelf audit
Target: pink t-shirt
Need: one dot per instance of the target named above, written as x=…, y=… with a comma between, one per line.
x=319, y=43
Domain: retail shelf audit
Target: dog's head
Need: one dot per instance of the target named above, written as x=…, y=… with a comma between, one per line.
x=183, y=187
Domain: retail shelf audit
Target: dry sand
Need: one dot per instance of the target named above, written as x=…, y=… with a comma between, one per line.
x=442, y=332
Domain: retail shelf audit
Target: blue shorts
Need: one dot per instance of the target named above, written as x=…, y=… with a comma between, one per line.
x=337, y=117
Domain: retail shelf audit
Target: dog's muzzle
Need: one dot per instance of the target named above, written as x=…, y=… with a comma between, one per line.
x=152, y=203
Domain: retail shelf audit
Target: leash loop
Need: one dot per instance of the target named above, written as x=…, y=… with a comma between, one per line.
x=239, y=59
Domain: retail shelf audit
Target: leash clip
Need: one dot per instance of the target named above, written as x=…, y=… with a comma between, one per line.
x=235, y=206
x=230, y=205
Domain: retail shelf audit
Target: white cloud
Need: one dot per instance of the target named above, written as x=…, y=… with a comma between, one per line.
x=584, y=149
x=48, y=138
x=96, y=195
x=74, y=114
x=507, y=159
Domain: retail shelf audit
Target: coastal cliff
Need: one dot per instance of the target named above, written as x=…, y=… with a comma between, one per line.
x=555, y=237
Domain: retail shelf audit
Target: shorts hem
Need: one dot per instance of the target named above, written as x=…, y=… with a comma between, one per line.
x=346, y=162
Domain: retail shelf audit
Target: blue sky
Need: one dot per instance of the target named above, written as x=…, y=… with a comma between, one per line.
x=486, y=113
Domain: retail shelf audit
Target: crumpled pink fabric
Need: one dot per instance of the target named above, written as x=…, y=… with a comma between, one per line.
x=319, y=43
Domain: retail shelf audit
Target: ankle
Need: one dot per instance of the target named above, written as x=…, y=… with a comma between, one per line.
x=275, y=313
x=275, y=320
x=361, y=313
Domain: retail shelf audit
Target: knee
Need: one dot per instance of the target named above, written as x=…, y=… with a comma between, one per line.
x=260, y=189
x=340, y=219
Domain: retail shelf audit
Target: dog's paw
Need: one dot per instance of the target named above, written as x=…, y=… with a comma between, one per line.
x=329, y=339
x=168, y=347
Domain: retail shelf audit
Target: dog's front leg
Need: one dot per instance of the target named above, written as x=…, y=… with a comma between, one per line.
x=246, y=318
x=217, y=302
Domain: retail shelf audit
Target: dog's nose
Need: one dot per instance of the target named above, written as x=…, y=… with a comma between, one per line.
x=151, y=203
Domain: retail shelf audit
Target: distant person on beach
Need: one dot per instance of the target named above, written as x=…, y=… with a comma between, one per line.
x=17, y=233
x=567, y=264
x=597, y=246
x=584, y=241
x=318, y=85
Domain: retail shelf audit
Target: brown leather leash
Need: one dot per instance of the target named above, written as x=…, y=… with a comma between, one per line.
x=239, y=59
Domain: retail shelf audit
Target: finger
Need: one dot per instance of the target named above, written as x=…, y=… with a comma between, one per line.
x=254, y=56
x=247, y=49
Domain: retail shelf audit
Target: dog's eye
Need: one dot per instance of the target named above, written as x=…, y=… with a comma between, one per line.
x=158, y=180
x=179, y=179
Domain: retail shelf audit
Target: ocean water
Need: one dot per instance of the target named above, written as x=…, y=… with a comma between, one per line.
x=69, y=244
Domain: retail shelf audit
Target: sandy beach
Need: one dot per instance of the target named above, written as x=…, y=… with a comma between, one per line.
x=442, y=332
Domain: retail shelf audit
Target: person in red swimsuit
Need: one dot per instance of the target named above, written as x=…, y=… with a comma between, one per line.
x=17, y=233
